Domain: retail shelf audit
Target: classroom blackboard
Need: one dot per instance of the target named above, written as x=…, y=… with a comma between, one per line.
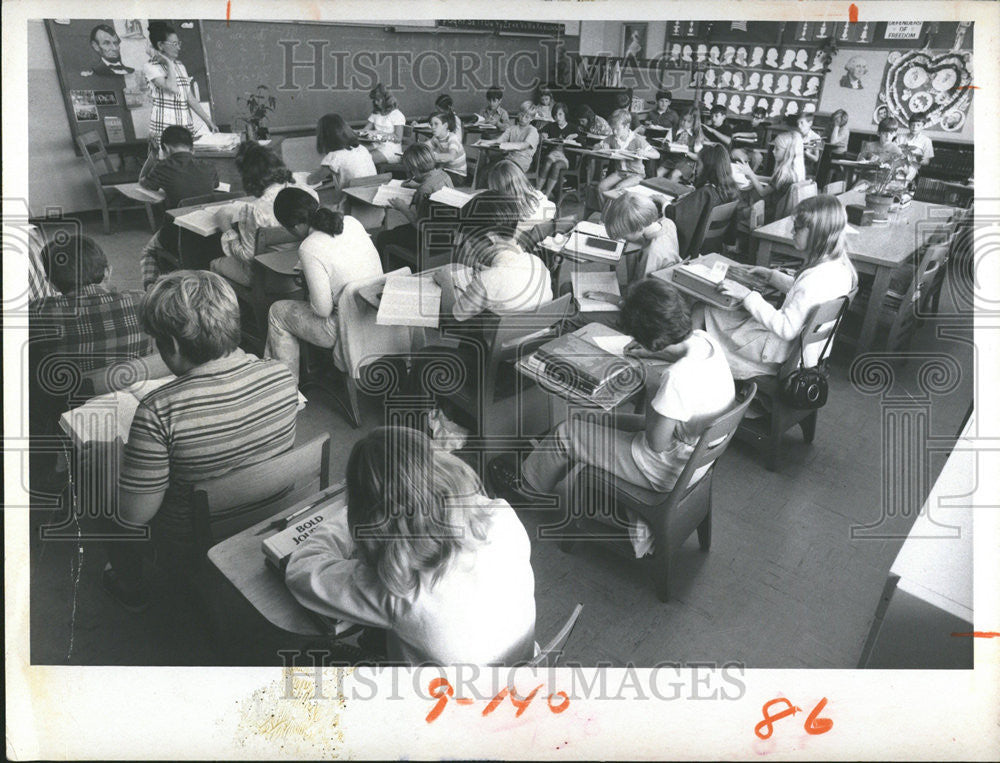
x=415, y=64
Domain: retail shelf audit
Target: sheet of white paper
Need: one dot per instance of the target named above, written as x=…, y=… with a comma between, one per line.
x=613, y=343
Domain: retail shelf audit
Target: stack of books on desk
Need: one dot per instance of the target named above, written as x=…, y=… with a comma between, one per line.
x=218, y=141
x=280, y=546
x=579, y=364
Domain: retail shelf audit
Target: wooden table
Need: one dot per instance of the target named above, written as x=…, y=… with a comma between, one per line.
x=241, y=561
x=876, y=249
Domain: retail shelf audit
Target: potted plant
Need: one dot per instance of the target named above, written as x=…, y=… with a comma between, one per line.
x=256, y=106
x=887, y=185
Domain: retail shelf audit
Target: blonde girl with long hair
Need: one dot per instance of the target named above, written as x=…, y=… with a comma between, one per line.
x=758, y=339
x=789, y=169
x=423, y=553
x=533, y=206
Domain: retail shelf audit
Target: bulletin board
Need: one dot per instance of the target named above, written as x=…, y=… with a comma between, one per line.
x=113, y=99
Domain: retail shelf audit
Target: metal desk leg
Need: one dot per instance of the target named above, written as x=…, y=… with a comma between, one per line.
x=879, y=288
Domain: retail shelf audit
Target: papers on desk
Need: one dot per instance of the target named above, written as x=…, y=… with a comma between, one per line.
x=586, y=281
x=394, y=189
x=741, y=179
x=410, y=301
x=451, y=197
x=612, y=343
x=137, y=192
x=201, y=221
x=218, y=141
x=421, y=125
x=643, y=190
x=679, y=148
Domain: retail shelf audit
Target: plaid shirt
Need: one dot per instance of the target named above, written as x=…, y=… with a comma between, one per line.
x=168, y=109
x=38, y=282
x=93, y=327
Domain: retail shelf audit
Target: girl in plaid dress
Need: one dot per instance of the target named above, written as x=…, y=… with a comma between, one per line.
x=170, y=88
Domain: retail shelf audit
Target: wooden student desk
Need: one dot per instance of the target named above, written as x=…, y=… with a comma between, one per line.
x=241, y=561
x=197, y=249
x=874, y=249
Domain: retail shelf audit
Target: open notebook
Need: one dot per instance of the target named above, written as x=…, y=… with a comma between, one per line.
x=410, y=301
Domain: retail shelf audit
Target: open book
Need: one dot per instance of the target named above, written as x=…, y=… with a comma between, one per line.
x=201, y=221
x=410, y=301
x=586, y=281
x=394, y=189
x=451, y=197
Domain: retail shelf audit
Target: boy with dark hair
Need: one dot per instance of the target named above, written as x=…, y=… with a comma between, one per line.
x=495, y=114
x=718, y=128
x=918, y=142
x=663, y=115
x=180, y=175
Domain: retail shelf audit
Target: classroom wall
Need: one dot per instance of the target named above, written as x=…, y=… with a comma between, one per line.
x=57, y=177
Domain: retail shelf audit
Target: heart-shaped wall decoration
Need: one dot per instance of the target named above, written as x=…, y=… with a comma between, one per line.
x=933, y=85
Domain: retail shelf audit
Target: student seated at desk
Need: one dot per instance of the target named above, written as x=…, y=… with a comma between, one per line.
x=812, y=143
x=419, y=163
x=757, y=340
x=639, y=220
x=543, y=105
x=344, y=158
x=444, y=104
x=555, y=161
x=534, y=207
x=688, y=133
x=886, y=149
x=754, y=156
x=787, y=172
x=714, y=184
x=264, y=175
x=523, y=137
x=626, y=172
x=494, y=113
x=180, y=176
x=88, y=325
x=663, y=115
x=839, y=133
x=719, y=128
x=648, y=450
x=335, y=250
x=446, y=145
x=424, y=554
x=917, y=140
x=387, y=121
x=588, y=122
x=225, y=410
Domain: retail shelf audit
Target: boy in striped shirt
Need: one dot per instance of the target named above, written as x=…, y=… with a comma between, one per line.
x=225, y=410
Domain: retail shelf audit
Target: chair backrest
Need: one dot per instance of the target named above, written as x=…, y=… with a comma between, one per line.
x=515, y=330
x=820, y=323
x=271, y=237
x=209, y=198
x=229, y=504
x=756, y=216
x=804, y=189
x=93, y=150
x=299, y=154
x=916, y=300
x=713, y=441
x=835, y=188
x=549, y=655
x=717, y=226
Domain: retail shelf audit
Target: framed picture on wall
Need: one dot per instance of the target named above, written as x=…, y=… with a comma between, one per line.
x=634, y=40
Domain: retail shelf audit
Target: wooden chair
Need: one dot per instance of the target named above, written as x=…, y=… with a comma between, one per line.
x=105, y=182
x=167, y=261
x=903, y=308
x=674, y=515
x=361, y=346
x=548, y=656
x=226, y=505
x=498, y=400
x=715, y=229
x=820, y=327
x=799, y=192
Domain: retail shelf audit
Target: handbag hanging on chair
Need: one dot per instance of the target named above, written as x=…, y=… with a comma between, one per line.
x=807, y=388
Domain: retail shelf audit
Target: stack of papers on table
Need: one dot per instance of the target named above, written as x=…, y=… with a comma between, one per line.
x=451, y=197
x=394, y=189
x=741, y=179
x=586, y=281
x=410, y=301
x=679, y=148
x=218, y=141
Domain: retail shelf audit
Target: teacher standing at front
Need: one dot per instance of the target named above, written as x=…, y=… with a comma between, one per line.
x=170, y=88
